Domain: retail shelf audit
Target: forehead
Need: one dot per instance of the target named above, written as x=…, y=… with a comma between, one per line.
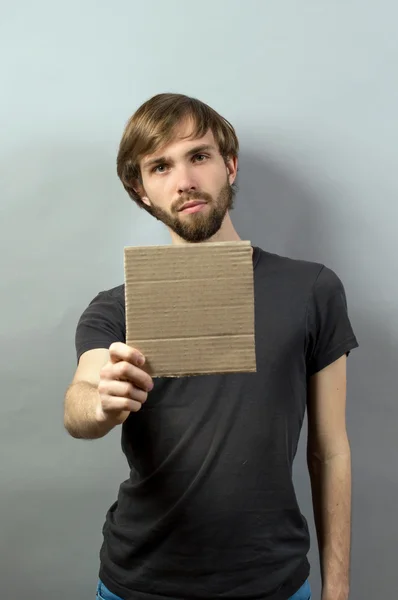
x=182, y=141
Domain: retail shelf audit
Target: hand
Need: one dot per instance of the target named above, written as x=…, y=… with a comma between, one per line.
x=123, y=385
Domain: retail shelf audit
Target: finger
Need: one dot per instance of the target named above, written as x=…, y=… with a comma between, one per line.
x=115, y=404
x=125, y=371
x=121, y=352
x=122, y=389
x=135, y=375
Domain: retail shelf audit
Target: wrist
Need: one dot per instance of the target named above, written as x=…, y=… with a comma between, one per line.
x=338, y=591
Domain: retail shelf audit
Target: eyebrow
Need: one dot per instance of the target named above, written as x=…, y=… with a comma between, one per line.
x=165, y=159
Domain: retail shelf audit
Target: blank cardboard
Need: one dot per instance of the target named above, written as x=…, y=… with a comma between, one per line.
x=190, y=308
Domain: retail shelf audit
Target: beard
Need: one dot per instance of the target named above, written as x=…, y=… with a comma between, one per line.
x=200, y=226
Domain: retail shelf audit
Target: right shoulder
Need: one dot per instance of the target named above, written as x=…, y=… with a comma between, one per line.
x=115, y=294
x=102, y=322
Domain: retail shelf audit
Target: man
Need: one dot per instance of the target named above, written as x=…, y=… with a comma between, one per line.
x=209, y=510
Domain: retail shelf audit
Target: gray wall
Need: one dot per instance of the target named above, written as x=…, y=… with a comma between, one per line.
x=311, y=87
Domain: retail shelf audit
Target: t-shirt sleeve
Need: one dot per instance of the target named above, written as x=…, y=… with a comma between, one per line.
x=101, y=324
x=329, y=331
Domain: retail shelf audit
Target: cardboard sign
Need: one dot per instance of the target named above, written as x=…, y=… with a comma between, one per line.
x=190, y=308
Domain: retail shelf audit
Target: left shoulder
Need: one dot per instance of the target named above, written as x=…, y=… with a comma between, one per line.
x=304, y=273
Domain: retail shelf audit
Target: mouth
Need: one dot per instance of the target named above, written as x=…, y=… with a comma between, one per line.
x=191, y=207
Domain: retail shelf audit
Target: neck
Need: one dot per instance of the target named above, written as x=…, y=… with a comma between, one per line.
x=226, y=233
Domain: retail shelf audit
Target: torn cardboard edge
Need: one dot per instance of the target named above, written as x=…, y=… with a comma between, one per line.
x=190, y=308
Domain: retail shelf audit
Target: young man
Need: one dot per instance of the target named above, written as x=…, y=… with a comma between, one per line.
x=209, y=510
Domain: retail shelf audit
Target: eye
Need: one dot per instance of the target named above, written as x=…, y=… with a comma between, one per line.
x=200, y=157
x=158, y=168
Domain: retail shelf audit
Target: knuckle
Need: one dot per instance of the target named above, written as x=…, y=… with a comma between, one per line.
x=102, y=386
x=104, y=402
x=128, y=390
x=103, y=371
x=114, y=347
x=123, y=368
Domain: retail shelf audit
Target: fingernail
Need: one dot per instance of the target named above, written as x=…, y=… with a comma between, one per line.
x=141, y=361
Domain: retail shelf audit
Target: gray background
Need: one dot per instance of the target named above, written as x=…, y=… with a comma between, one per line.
x=312, y=90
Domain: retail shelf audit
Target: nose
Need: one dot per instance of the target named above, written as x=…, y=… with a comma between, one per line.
x=186, y=182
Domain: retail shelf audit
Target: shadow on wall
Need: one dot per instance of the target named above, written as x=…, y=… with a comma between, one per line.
x=277, y=210
x=276, y=206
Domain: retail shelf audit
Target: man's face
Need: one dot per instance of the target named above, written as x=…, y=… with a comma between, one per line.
x=187, y=185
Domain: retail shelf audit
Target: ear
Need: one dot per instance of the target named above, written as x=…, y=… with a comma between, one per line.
x=146, y=200
x=139, y=189
x=232, y=168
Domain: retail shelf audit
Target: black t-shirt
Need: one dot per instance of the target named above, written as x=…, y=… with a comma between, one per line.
x=209, y=509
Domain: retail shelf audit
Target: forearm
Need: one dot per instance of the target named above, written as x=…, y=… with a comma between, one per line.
x=331, y=493
x=81, y=410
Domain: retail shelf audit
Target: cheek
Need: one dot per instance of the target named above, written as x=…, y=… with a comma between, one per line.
x=219, y=180
x=158, y=192
x=212, y=178
x=220, y=173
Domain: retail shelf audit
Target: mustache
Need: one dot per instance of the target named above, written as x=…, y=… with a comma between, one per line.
x=188, y=197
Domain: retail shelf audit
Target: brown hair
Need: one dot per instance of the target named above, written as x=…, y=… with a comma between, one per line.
x=153, y=126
